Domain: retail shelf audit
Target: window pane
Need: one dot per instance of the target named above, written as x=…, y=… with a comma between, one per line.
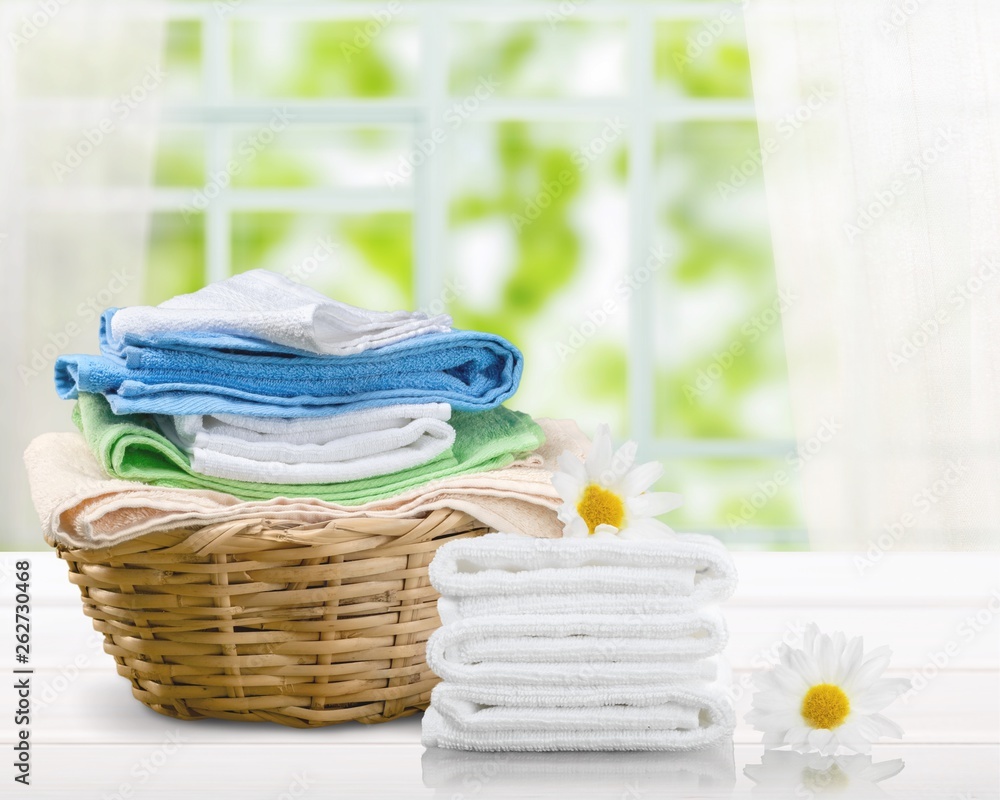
x=540, y=59
x=176, y=256
x=275, y=57
x=720, y=360
x=363, y=260
x=538, y=244
x=737, y=499
x=182, y=59
x=180, y=156
x=705, y=57
x=313, y=156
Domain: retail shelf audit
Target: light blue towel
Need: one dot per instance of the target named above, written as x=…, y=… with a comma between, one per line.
x=213, y=374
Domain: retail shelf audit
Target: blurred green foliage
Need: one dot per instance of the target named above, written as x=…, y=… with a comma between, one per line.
x=719, y=277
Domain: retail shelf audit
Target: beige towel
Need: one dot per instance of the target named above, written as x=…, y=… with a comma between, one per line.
x=81, y=507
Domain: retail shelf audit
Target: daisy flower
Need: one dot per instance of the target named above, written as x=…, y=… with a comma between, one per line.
x=826, y=696
x=606, y=495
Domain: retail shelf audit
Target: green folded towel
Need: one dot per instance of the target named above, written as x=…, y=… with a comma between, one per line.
x=131, y=447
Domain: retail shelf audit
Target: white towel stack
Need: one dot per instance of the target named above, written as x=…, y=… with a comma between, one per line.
x=578, y=644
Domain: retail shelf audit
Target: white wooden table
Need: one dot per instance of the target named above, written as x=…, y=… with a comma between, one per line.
x=91, y=739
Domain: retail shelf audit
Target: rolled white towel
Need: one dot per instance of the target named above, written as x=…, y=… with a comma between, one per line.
x=487, y=718
x=544, y=647
x=344, y=447
x=512, y=574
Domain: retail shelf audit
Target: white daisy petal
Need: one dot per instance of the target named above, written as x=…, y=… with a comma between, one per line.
x=851, y=659
x=622, y=462
x=605, y=531
x=886, y=727
x=646, y=529
x=572, y=466
x=640, y=478
x=876, y=773
x=852, y=737
x=822, y=740
x=569, y=488
x=869, y=671
x=809, y=637
x=652, y=504
x=576, y=529
x=599, y=460
x=805, y=666
x=881, y=693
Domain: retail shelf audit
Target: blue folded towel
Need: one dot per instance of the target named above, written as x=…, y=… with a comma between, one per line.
x=215, y=374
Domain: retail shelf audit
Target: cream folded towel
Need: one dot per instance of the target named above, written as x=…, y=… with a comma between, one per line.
x=506, y=573
x=463, y=773
x=80, y=506
x=345, y=447
x=579, y=647
x=262, y=306
x=679, y=717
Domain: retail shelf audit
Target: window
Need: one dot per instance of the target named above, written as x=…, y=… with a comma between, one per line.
x=511, y=166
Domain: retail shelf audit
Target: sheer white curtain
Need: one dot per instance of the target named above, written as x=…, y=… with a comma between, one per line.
x=879, y=127
x=80, y=86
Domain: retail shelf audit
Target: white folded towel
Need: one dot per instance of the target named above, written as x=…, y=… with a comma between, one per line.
x=344, y=447
x=269, y=307
x=452, y=609
x=559, y=648
x=457, y=773
x=554, y=674
x=487, y=718
x=508, y=573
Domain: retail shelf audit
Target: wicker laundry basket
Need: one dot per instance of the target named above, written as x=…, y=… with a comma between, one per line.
x=304, y=626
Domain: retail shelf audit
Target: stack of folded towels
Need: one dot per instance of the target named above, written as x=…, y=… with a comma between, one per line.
x=259, y=396
x=579, y=644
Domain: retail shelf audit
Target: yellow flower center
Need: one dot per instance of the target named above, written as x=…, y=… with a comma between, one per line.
x=825, y=706
x=599, y=506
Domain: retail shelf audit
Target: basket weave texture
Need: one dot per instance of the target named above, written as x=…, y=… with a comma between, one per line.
x=305, y=626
